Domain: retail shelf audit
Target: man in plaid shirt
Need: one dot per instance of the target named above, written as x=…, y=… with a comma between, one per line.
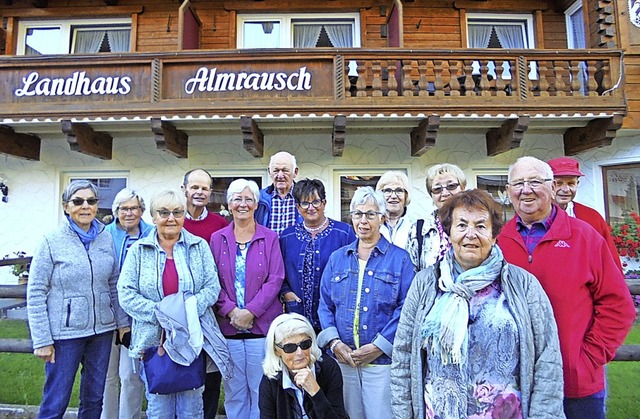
x=277, y=206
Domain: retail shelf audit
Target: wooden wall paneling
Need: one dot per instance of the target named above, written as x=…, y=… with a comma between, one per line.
x=76, y=11
x=363, y=29
x=11, y=40
x=463, y=28
x=233, y=29
x=539, y=29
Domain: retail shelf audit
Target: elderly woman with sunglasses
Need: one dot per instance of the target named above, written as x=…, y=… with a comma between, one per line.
x=427, y=241
x=395, y=187
x=169, y=261
x=306, y=247
x=251, y=274
x=362, y=291
x=73, y=304
x=298, y=382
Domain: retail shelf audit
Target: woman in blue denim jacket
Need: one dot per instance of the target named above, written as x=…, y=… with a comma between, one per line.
x=362, y=291
x=306, y=248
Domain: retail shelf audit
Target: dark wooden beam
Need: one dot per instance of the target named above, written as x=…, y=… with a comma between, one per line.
x=111, y=2
x=40, y=4
x=423, y=137
x=169, y=138
x=597, y=133
x=252, y=136
x=507, y=137
x=24, y=146
x=339, y=135
x=83, y=139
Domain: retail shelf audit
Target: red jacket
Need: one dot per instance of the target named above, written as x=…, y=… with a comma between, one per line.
x=590, y=299
x=595, y=220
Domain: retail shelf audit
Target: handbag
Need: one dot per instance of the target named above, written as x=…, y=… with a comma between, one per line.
x=164, y=376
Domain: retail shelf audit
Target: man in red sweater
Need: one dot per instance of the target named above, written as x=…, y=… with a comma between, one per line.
x=590, y=299
x=566, y=173
x=202, y=223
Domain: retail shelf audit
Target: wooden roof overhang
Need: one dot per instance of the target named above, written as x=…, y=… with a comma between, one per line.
x=92, y=99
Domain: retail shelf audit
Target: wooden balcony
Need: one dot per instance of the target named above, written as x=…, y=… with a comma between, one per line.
x=377, y=81
x=577, y=93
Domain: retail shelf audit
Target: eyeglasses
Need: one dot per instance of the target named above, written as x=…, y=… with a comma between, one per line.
x=518, y=185
x=371, y=215
x=166, y=213
x=239, y=201
x=79, y=201
x=397, y=191
x=450, y=187
x=129, y=209
x=317, y=203
x=290, y=348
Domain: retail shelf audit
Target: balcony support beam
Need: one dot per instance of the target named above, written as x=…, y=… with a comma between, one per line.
x=252, y=136
x=83, y=139
x=423, y=137
x=24, y=146
x=339, y=135
x=169, y=138
x=508, y=136
x=597, y=133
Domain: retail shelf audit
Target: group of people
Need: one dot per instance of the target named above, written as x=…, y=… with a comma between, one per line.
x=453, y=315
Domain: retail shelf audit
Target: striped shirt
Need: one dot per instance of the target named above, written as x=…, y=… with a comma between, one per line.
x=533, y=235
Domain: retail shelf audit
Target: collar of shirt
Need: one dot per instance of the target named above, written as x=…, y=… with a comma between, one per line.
x=274, y=192
x=570, y=210
x=201, y=217
x=544, y=224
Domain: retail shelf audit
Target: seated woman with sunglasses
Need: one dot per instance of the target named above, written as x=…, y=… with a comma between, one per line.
x=73, y=304
x=306, y=247
x=297, y=381
x=362, y=291
x=428, y=242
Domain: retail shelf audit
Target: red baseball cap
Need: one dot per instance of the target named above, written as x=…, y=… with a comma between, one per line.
x=565, y=166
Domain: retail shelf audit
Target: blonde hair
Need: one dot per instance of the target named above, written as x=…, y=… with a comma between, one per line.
x=442, y=168
x=283, y=326
x=167, y=199
x=398, y=176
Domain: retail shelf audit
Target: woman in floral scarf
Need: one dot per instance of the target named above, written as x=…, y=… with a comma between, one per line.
x=477, y=337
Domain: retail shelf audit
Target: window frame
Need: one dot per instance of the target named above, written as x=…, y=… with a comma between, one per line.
x=571, y=10
x=492, y=18
x=67, y=33
x=607, y=188
x=507, y=206
x=286, y=22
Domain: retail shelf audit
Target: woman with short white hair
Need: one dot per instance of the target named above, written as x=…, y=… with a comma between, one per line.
x=298, y=381
x=395, y=188
x=251, y=273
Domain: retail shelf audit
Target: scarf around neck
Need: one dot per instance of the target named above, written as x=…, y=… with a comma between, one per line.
x=445, y=329
x=86, y=237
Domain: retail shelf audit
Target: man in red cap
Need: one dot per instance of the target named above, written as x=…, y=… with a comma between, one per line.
x=566, y=173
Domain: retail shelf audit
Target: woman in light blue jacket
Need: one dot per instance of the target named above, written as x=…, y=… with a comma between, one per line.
x=167, y=261
x=73, y=305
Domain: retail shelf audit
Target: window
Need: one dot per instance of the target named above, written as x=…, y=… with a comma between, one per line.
x=74, y=36
x=495, y=184
x=299, y=31
x=622, y=189
x=504, y=31
x=574, y=17
x=108, y=184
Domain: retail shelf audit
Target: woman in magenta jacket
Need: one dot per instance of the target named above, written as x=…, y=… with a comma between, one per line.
x=251, y=272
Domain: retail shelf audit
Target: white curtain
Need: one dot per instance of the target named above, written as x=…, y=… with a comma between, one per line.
x=340, y=35
x=306, y=36
x=577, y=26
x=119, y=40
x=510, y=36
x=479, y=36
x=89, y=41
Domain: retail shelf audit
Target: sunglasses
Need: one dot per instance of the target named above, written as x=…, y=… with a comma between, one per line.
x=79, y=201
x=290, y=348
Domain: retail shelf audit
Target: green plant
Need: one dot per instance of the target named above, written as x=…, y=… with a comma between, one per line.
x=626, y=235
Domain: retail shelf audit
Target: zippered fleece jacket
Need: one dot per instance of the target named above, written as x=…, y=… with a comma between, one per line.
x=71, y=292
x=590, y=299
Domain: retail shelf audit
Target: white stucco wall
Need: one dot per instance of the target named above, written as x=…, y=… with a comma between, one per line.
x=34, y=205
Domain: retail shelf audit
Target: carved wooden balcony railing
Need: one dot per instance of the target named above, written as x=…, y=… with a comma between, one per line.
x=346, y=81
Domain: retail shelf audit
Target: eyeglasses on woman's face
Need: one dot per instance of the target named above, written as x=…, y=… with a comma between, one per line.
x=80, y=201
x=290, y=348
x=165, y=213
x=316, y=203
x=437, y=190
x=129, y=209
x=370, y=215
x=397, y=192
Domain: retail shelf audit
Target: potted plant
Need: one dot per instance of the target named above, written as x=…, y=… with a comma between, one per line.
x=626, y=236
x=21, y=268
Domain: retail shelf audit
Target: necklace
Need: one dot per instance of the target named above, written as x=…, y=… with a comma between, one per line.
x=242, y=246
x=316, y=229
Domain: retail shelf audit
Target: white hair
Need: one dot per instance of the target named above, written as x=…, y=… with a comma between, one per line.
x=542, y=166
x=240, y=185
